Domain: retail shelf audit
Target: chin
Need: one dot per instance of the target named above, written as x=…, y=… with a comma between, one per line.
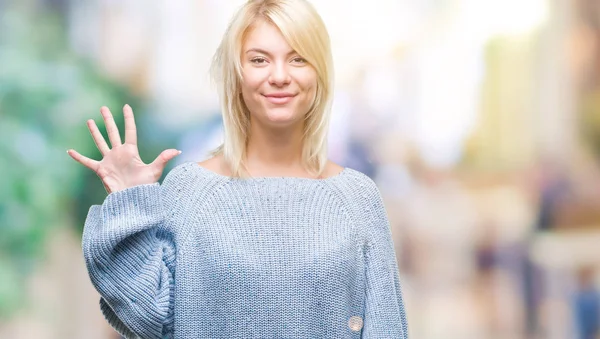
x=280, y=116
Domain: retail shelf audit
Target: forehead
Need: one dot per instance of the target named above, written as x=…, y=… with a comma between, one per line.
x=265, y=36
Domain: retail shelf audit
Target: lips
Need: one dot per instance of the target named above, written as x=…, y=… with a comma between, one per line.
x=279, y=98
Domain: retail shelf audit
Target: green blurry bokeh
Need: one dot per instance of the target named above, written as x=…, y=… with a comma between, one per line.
x=46, y=95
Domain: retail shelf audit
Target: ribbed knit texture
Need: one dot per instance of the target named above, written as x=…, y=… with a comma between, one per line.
x=206, y=256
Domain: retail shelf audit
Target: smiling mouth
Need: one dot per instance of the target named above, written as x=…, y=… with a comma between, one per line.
x=279, y=99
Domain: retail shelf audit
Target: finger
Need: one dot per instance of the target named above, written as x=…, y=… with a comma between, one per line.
x=111, y=127
x=163, y=158
x=130, y=130
x=98, y=138
x=85, y=161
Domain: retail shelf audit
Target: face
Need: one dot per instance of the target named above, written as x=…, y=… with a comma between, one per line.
x=278, y=85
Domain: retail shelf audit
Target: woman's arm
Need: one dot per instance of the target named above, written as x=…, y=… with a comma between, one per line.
x=385, y=315
x=131, y=261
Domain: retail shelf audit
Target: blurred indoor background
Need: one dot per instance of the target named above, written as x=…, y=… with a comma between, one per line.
x=478, y=119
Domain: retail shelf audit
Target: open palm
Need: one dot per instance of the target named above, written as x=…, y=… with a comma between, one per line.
x=121, y=167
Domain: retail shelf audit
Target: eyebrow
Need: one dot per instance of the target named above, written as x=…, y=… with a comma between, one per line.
x=262, y=51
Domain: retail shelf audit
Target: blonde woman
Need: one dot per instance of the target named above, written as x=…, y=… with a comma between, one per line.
x=265, y=239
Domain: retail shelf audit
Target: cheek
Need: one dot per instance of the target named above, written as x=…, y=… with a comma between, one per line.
x=250, y=86
x=311, y=89
x=255, y=77
x=308, y=81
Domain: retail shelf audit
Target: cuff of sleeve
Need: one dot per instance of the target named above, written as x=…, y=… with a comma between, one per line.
x=134, y=200
x=130, y=211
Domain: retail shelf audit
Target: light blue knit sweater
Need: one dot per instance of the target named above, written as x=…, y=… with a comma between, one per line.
x=206, y=256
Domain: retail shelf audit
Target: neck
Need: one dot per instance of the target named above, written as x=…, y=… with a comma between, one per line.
x=273, y=152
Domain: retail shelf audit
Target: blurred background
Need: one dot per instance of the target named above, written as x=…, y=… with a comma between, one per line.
x=478, y=119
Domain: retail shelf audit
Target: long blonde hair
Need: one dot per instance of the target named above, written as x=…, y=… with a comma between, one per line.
x=305, y=32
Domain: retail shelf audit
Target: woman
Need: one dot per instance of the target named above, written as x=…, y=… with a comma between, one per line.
x=267, y=238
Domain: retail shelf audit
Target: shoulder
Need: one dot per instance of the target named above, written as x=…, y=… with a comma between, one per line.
x=192, y=173
x=360, y=181
x=187, y=182
x=356, y=189
x=177, y=173
x=367, y=199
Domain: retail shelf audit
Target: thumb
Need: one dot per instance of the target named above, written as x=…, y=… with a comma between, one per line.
x=163, y=158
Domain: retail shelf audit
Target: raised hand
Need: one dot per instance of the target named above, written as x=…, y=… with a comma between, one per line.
x=121, y=166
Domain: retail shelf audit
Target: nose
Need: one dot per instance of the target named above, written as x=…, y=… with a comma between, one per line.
x=280, y=75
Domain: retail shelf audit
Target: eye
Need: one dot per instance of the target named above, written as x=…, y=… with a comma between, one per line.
x=299, y=60
x=258, y=60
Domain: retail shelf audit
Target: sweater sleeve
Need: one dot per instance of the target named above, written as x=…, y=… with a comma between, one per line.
x=131, y=261
x=385, y=315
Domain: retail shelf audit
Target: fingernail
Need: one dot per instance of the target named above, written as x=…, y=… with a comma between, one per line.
x=178, y=152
